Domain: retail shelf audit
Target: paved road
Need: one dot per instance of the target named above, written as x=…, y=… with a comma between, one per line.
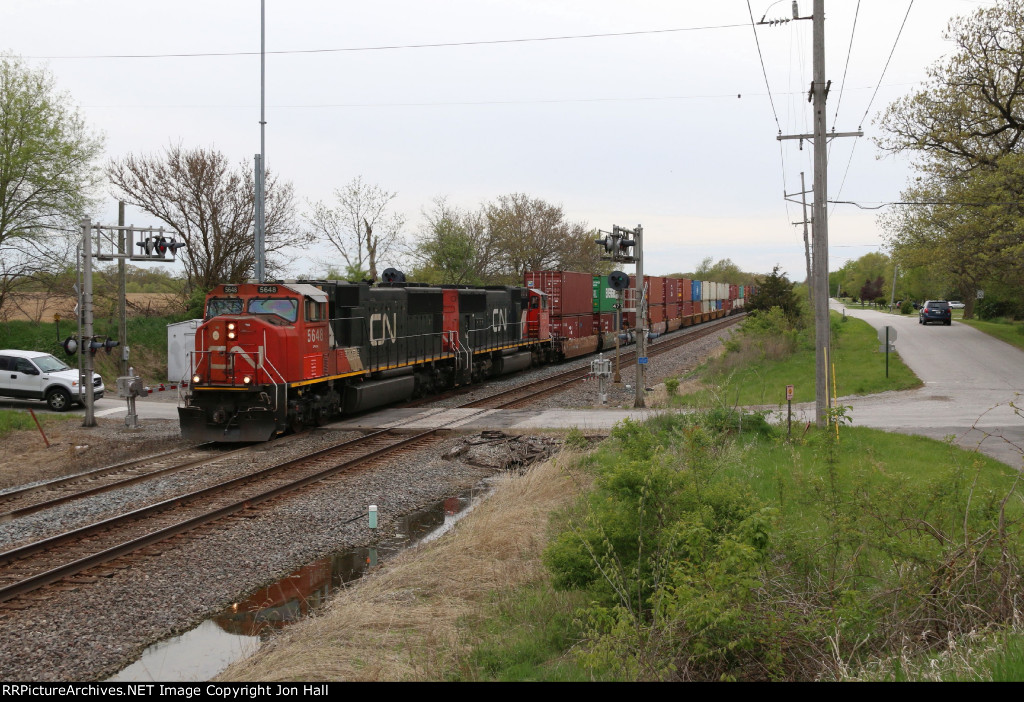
x=969, y=378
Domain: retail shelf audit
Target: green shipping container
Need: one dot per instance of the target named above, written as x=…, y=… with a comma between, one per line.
x=605, y=296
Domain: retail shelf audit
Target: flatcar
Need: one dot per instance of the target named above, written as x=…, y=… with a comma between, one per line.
x=274, y=357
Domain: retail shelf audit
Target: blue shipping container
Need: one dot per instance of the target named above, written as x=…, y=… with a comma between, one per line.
x=696, y=290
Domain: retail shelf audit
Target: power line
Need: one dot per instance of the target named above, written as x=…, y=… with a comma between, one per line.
x=881, y=77
x=392, y=47
x=757, y=41
x=846, y=68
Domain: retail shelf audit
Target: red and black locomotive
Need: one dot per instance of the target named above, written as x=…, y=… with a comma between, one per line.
x=278, y=356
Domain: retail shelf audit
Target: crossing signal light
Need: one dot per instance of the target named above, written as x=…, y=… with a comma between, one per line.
x=95, y=345
x=156, y=247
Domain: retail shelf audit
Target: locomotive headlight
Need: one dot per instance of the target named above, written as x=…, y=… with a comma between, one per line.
x=246, y=379
x=231, y=335
x=196, y=379
x=231, y=326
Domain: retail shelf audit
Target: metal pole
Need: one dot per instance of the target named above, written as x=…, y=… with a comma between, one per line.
x=820, y=271
x=641, y=316
x=85, y=378
x=262, y=163
x=122, y=293
x=618, y=332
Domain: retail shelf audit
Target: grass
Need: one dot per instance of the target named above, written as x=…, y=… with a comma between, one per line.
x=758, y=373
x=16, y=420
x=147, y=339
x=478, y=605
x=1010, y=332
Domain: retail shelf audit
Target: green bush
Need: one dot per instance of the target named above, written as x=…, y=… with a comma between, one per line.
x=907, y=307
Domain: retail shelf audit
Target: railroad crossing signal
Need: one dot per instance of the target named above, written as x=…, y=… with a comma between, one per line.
x=156, y=246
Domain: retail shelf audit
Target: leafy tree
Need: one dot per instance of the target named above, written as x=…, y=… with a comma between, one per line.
x=360, y=227
x=531, y=234
x=968, y=113
x=724, y=271
x=965, y=130
x=47, y=173
x=775, y=290
x=211, y=205
x=453, y=247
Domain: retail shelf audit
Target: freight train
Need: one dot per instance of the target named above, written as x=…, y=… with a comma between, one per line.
x=280, y=356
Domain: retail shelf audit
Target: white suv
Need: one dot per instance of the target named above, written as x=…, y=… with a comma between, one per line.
x=33, y=375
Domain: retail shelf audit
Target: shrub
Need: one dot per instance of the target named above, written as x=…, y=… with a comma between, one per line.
x=907, y=307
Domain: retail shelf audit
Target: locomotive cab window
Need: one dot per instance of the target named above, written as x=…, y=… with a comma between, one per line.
x=285, y=308
x=218, y=306
x=314, y=311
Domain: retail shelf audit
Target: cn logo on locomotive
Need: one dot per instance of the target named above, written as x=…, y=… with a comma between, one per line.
x=387, y=328
x=499, y=320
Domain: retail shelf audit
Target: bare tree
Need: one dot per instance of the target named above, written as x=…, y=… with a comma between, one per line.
x=200, y=195
x=47, y=174
x=360, y=227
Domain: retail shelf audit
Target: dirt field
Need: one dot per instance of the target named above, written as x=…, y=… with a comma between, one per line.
x=40, y=307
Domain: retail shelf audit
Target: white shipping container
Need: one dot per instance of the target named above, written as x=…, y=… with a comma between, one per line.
x=181, y=341
x=706, y=293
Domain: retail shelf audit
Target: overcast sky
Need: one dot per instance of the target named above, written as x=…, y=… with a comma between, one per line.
x=665, y=120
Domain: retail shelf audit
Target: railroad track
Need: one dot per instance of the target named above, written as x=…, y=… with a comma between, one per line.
x=532, y=391
x=31, y=566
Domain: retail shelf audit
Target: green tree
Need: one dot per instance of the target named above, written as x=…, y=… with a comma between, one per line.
x=48, y=173
x=775, y=290
x=964, y=129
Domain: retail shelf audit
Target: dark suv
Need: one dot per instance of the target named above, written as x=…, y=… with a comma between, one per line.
x=935, y=311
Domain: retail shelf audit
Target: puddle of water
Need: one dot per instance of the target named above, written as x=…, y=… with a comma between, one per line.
x=238, y=631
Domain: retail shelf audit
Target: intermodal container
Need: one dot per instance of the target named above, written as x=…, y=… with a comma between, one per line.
x=605, y=296
x=688, y=308
x=568, y=293
x=604, y=322
x=686, y=288
x=706, y=293
x=734, y=292
x=696, y=288
x=573, y=326
x=656, y=313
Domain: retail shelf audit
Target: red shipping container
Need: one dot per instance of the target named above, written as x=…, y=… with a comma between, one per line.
x=656, y=313
x=656, y=289
x=687, y=290
x=688, y=308
x=573, y=327
x=734, y=292
x=671, y=291
x=673, y=310
x=568, y=293
x=604, y=322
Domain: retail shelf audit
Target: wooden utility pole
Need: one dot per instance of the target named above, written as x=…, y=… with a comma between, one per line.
x=819, y=266
x=822, y=329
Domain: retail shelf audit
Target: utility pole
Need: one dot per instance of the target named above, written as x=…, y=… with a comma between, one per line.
x=261, y=158
x=822, y=328
x=892, y=293
x=819, y=267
